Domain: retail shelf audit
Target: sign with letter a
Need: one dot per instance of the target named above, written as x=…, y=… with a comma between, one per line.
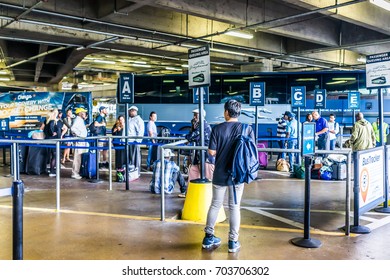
x=257, y=94
x=125, y=89
x=320, y=98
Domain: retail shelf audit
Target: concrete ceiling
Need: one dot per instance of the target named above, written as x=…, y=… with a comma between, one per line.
x=92, y=41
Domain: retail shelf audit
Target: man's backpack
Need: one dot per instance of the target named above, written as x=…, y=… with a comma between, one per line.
x=94, y=130
x=245, y=160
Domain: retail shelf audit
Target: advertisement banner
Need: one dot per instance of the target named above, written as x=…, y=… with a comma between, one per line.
x=199, y=67
x=370, y=178
x=378, y=70
x=26, y=110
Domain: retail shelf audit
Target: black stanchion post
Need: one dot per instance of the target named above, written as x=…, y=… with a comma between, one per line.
x=17, y=219
x=306, y=241
x=356, y=228
x=256, y=124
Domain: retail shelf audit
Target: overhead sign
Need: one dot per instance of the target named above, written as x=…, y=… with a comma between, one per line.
x=298, y=96
x=320, y=98
x=196, y=92
x=354, y=100
x=308, y=139
x=378, y=70
x=125, y=88
x=199, y=67
x=257, y=94
x=4, y=124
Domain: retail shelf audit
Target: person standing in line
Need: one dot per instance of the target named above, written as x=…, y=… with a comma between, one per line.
x=68, y=121
x=119, y=130
x=101, y=123
x=376, y=128
x=334, y=129
x=292, y=134
x=79, y=129
x=363, y=136
x=309, y=118
x=52, y=131
x=281, y=133
x=151, y=128
x=136, y=127
x=322, y=131
x=222, y=141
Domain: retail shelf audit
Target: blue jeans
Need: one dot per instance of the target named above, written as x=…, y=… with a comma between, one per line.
x=282, y=146
x=332, y=145
x=234, y=209
x=149, y=159
x=292, y=157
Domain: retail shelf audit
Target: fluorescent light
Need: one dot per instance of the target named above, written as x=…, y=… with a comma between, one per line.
x=173, y=68
x=306, y=79
x=3, y=72
x=4, y=79
x=240, y=34
x=344, y=79
x=184, y=65
x=168, y=81
x=104, y=61
x=141, y=65
x=139, y=62
x=384, y=4
x=234, y=80
x=228, y=52
x=337, y=82
x=361, y=59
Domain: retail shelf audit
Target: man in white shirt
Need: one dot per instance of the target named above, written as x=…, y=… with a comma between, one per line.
x=136, y=127
x=79, y=129
x=333, y=131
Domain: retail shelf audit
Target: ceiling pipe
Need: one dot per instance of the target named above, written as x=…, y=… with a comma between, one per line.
x=108, y=40
x=23, y=14
x=35, y=57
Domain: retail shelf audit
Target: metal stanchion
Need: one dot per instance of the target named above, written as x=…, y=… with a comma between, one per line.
x=58, y=172
x=96, y=180
x=17, y=219
x=306, y=241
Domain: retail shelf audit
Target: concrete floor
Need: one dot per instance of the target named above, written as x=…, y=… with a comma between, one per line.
x=95, y=223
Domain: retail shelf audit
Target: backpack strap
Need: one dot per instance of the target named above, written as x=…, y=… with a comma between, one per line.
x=244, y=128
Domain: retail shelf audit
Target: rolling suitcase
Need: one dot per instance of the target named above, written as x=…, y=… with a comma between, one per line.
x=88, y=165
x=339, y=171
x=263, y=156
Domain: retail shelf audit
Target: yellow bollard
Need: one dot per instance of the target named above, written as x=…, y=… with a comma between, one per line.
x=197, y=203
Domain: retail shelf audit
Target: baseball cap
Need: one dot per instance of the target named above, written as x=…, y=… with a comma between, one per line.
x=289, y=114
x=168, y=153
x=196, y=111
x=133, y=108
x=80, y=110
x=102, y=108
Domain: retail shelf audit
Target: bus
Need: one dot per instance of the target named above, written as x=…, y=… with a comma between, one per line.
x=172, y=100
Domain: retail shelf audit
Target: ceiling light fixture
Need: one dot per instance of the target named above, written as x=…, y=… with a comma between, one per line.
x=173, y=68
x=104, y=61
x=141, y=65
x=361, y=59
x=4, y=79
x=240, y=34
x=384, y=4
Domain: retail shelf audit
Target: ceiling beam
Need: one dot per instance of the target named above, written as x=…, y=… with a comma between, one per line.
x=39, y=64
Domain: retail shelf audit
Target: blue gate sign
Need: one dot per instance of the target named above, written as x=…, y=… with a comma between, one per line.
x=257, y=94
x=125, y=88
x=320, y=98
x=298, y=96
x=308, y=139
x=354, y=100
x=195, y=92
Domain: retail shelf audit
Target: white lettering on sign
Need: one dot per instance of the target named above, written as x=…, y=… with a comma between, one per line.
x=353, y=99
x=256, y=92
x=298, y=95
x=319, y=98
x=126, y=87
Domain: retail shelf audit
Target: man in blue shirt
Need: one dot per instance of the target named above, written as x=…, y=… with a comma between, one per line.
x=101, y=123
x=171, y=175
x=322, y=131
x=292, y=133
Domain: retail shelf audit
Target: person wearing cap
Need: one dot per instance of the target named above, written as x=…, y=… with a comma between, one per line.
x=171, y=175
x=79, y=129
x=322, y=131
x=292, y=134
x=101, y=123
x=136, y=127
x=194, y=137
x=281, y=133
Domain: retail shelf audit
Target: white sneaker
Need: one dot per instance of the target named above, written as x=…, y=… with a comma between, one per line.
x=76, y=176
x=52, y=174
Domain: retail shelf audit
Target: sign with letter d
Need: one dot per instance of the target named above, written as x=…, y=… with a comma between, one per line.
x=320, y=99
